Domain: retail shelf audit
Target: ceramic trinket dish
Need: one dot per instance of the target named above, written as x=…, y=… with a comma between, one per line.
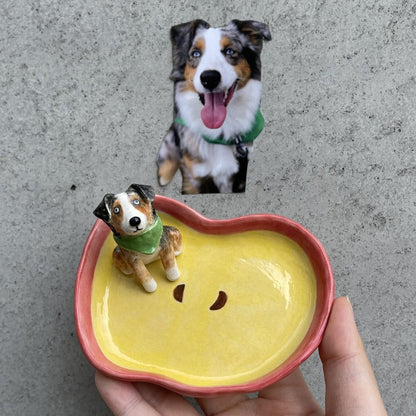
x=251, y=304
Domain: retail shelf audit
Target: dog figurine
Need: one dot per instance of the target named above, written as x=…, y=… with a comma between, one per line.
x=217, y=92
x=140, y=236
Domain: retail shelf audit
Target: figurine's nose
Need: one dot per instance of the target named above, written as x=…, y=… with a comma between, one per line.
x=210, y=79
x=134, y=221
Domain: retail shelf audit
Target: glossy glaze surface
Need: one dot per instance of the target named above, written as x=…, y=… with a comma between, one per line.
x=267, y=302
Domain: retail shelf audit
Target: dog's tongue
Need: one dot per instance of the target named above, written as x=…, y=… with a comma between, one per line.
x=214, y=112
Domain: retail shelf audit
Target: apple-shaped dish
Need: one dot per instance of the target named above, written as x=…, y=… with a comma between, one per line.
x=251, y=305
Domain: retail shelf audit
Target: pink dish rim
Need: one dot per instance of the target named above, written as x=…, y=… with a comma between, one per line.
x=271, y=222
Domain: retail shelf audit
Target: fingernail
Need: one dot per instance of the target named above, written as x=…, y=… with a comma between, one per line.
x=349, y=301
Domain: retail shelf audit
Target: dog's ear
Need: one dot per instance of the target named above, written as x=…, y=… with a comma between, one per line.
x=255, y=33
x=145, y=191
x=252, y=34
x=103, y=211
x=182, y=37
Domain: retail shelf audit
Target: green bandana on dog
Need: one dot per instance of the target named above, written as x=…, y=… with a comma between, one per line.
x=146, y=242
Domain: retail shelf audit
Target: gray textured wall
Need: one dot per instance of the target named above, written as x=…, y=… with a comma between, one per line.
x=85, y=101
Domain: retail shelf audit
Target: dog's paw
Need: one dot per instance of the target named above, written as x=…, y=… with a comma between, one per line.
x=150, y=285
x=201, y=170
x=172, y=274
x=166, y=171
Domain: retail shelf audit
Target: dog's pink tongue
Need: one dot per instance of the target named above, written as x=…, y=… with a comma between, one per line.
x=214, y=112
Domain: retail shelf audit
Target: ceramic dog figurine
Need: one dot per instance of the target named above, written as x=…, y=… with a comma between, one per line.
x=217, y=90
x=140, y=236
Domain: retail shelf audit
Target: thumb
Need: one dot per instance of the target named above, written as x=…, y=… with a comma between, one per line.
x=351, y=388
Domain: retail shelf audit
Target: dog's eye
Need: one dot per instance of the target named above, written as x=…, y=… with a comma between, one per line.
x=196, y=53
x=136, y=202
x=116, y=210
x=229, y=51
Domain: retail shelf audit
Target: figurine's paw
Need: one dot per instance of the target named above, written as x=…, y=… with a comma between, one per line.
x=150, y=285
x=172, y=274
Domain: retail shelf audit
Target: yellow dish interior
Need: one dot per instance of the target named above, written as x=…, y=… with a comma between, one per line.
x=270, y=292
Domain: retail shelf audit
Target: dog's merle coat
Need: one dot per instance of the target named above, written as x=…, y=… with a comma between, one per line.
x=217, y=90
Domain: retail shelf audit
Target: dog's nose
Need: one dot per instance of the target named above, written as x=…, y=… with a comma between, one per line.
x=134, y=221
x=210, y=79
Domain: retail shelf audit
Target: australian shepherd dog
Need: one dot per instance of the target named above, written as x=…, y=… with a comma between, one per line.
x=217, y=92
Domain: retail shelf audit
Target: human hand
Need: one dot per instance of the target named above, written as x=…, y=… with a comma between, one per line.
x=351, y=388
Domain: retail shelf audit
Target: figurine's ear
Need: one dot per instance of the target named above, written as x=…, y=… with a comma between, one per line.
x=145, y=191
x=182, y=37
x=103, y=211
x=255, y=32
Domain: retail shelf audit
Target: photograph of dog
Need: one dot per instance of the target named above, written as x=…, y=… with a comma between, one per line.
x=140, y=235
x=217, y=93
